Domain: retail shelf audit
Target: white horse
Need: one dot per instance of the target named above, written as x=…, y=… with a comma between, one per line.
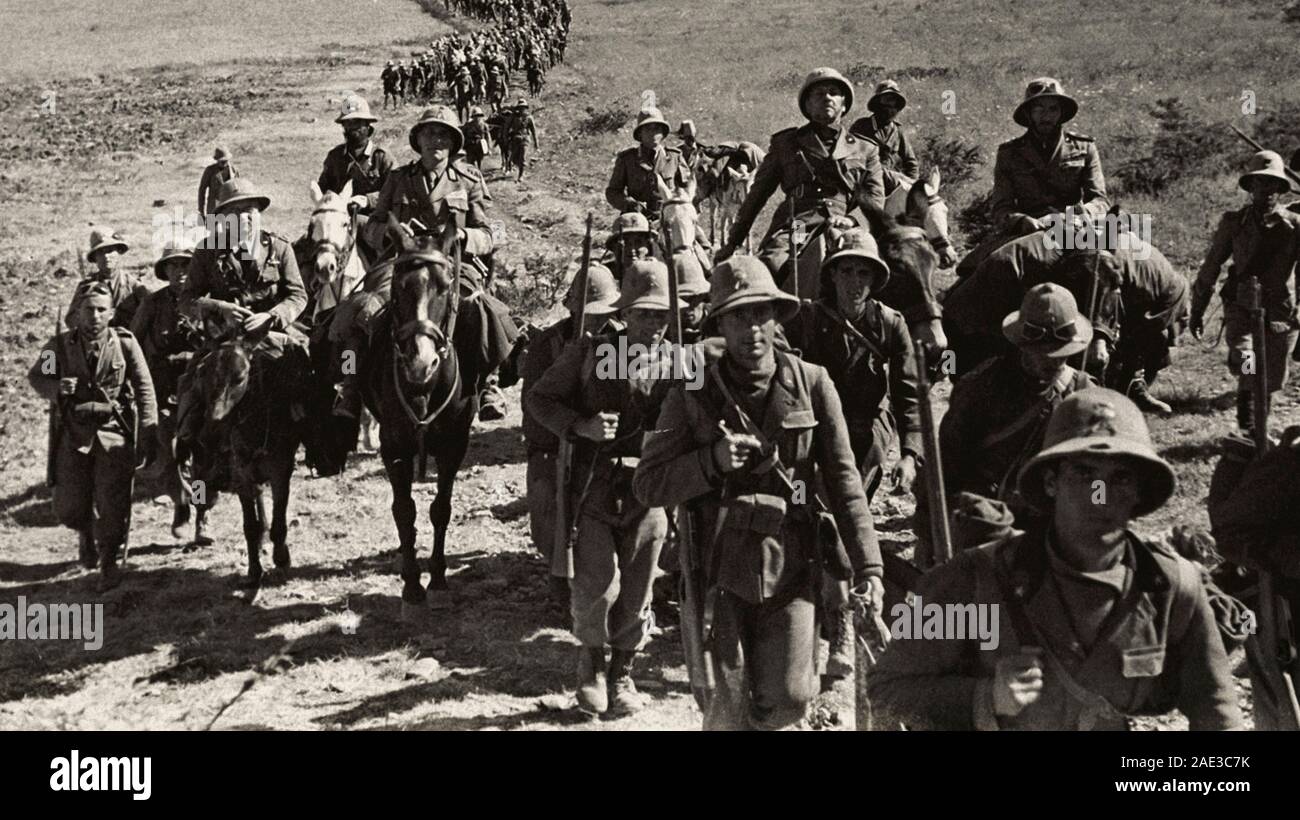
x=919, y=205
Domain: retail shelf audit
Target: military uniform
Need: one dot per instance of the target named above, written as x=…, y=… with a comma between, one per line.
x=210, y=184
x=543, y=351
x=632, y=182
x=127, y=294
x=824, y=171
x=477, y=138
x=366, y=171
x=1265, y=246
x=94, y=456
x=1136, y=639
x=267, y=283
x=897, y=158
x=518, y=129
x=1152, y=310
x=1032, y=179
x=411, y=192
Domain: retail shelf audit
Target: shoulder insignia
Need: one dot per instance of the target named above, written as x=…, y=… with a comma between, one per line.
x=122, y=332
x=1075, y=135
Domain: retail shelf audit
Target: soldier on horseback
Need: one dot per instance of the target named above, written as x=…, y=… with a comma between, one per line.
x=439, y=195
x=642, y=172
x=1042, y=172
x=825, y=171
x=357, y=159
x=897, y=159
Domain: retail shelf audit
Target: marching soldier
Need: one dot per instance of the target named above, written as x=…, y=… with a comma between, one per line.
x=357, y=158
x=1104, y=623
x=389, y=77
x=242, y=279
x=439, y=194
x=693, y=289
x=897, y=159
x=476, y=137
x=1263, y=241
x=125, y=289
x=691, y=150
x=825, y=171
x=543, y=351
x=168, y=341
x=641, y=173
x=1043, y=171
x=618, y=540
x=519, y=128
x=217, y=173
x=998, y=413
x=106, y=418
x=744, y=451
x=630, y=240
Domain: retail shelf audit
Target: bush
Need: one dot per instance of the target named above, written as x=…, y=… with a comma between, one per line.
x=534, y=287
x=956, y=158
x=976, y=220
x=1183, y=145
x=610, y=118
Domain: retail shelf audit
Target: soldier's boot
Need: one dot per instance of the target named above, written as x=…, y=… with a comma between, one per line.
x=1245, y=412
x=86, y=552
x=201, y=537
x=839, y=659
x=492, y=402
x=348, y=401
x=180, y=517
x=593, y=698
x=110, y=575
x=1137, y=391
x=624, y=699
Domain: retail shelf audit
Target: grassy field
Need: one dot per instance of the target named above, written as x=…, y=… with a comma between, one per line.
x=177, y=646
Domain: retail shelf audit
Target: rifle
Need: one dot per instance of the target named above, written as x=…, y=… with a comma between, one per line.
x=1093, y=287
x=1253, y=144
x=940, y=536
x=1276, y=650
x=57, y=406
x=562, y=549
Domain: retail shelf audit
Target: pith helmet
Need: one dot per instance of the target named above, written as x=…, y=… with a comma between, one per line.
x=1045, y=88
x=887, y=88
x=743, y=280
x=240, y=189
x=1266, y=165
x=690, y=275
x=650, y=116
x=858, y=243
x=825, y=74
x=687, y=129
x=355, y=108
x=438, y=115
x=522, y=104
x=172, y=250
x=222, y=154
x=389, y=64
x=1099, y=422
x=106, y=239
x=602, y=291
x=630, y=223
x=1048, y=322
x=475, y=112
x=645, y=285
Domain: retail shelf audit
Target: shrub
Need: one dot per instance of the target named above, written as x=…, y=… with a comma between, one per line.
x=607, y=119
x=533, y=288
x=957, y=159
x=1184, y=144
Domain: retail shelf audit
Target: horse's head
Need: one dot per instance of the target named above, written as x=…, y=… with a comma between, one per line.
x=912, y=263
x=421, y=305
x=224, y=375
x=331, y=232
x=926, y=209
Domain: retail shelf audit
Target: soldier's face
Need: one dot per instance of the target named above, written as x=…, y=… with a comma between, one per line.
x=436, y=144
x=825, y=102
x=1093, y=495
x=645, y=326
x=693, y=313
x=652, y=136
x=249, y=219
x=355, y=133
x=95, y=313
x=175, y=270
x=636, y=246
x=853, y=279
x=105, y=261
x=1264, y=193
x=749, y=331
x=1038, y=365
x=887, y=107
x=1045, y=115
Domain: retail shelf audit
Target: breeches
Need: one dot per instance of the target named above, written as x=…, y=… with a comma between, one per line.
x=1239, y=332
x=94, y=490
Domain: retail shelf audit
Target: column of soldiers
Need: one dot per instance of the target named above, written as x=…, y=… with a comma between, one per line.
x=826, y=388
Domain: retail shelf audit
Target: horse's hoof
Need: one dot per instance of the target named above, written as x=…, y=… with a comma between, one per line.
x=280, y=555
x=439, y=599
x=246, y=589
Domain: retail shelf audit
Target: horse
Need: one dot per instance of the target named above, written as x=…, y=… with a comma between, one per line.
x=253, y=384
x=725, y=182
x=918, y=204
x=419, y=380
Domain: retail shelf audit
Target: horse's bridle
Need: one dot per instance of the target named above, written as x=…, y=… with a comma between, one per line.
x=442, y=351
x=342, y=253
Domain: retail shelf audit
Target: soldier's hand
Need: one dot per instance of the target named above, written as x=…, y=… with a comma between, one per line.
x=233, y=313
x=733, y=451
x=600, y=427
x=256, y=321
x=903, y=476
x=148, y=446
x=1197, y=326
x=67, y=385
x=360, y=200
x=842, y=223
x=1017, y=681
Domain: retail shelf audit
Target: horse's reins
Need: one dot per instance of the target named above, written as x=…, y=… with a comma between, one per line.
x=342, y=252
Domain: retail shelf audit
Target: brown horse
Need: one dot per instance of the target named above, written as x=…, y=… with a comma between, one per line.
x=250, y=437
x=419, y=382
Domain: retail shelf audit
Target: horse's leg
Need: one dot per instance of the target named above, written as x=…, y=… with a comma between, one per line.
x=281, y=474
x=449, y=459
x=400, y=475
x=250, y=501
